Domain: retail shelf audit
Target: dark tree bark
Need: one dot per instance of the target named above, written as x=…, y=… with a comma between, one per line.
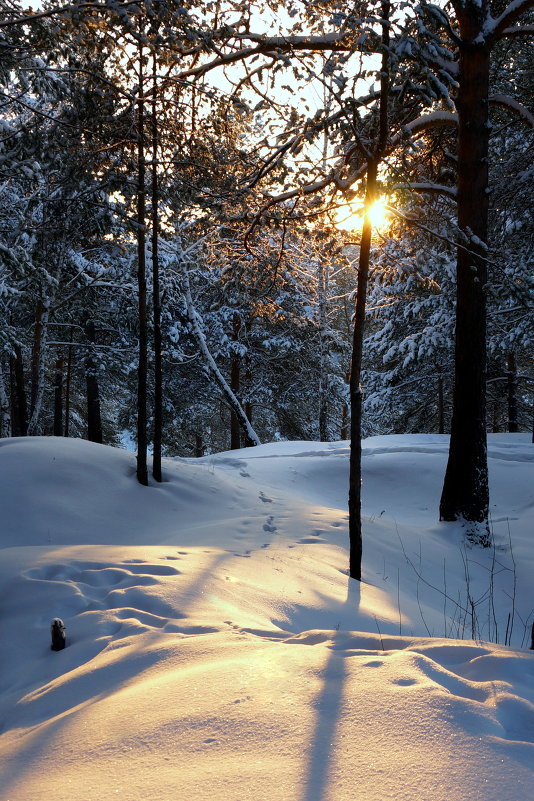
x=322, y=288
x=235, y=386
x=441, y=405
x=511, y=381
x=19, y=408
x=67, y=385
x=199, y=446
x=36, y=353
x=94, y=419
x=355, y=468
x=142, y=370
x=58, y=399
x=156, y=295
x=355, y=464
x=465, y=493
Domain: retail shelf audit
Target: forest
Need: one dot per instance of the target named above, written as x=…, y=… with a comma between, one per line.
x=226, y=223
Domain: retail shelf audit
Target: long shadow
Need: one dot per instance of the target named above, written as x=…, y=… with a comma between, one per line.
x=328, y=708
x=96, y=686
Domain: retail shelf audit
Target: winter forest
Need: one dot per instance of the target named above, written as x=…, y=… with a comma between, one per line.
x=239, y=241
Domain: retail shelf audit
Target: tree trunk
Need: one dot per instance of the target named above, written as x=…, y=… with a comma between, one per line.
x=156, y=295
x=465, y=493
x=323, y=377
x=4, y=407
x=199, y=446
x=511, y=377
x=235, y=385
x=19, y=412
x=36, y=352
x=142, y=370
x=355, y=467
x=356, y=396
x=38, y=365
x=441, y=405
x=67, y=385
x=94, y=420
x=58, y=399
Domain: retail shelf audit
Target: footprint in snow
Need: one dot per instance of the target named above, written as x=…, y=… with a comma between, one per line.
x=264, y=498
x=268, y=526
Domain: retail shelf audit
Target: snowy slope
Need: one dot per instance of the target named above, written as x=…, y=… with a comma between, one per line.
x=217, y=649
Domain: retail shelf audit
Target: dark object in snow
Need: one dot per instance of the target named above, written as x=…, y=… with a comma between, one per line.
x=59, y=638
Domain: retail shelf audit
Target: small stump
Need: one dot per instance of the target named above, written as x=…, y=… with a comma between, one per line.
x=59, y=638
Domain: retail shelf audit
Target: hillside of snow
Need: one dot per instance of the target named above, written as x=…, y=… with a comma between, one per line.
x=216, y=648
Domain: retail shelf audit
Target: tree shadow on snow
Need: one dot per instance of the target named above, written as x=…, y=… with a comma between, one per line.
x=328, y=709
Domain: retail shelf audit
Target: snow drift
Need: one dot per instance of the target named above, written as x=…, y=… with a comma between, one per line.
x=217, y=649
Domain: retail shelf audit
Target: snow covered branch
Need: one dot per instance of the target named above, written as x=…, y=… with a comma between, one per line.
x=510, y=104
x=496, y=28
x=198, y=333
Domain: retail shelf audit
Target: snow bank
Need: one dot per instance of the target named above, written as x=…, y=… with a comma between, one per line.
x=217, y=649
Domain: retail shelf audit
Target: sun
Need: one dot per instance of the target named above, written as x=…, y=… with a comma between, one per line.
x=349, y=218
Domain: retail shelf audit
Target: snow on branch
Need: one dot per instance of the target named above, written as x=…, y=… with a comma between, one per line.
x=436, y=119
x=518, y=30
x=198, y=333
x=495, y=28
x=439, y=189
x=30, y=16
x=511, y=104
x=274, y=46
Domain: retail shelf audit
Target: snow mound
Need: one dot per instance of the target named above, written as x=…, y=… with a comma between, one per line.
x=217, y=649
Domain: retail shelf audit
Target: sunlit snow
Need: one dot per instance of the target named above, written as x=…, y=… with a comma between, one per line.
x=216, y=648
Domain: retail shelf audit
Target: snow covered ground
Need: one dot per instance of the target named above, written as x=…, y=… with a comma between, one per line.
x=217, y=650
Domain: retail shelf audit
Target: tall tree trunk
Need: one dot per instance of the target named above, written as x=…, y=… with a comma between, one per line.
x=36, y=352
x=441, y=404
x=94, y=420
x=19, y=410
x=235, y=385
x=323, y=376
x=199, y=446
x=156, y=295
x=465, y=493
x=356, y=396
x=68, y=383
x=142, y=370
x=511, y=380
x=58, y=399
x=38, y=365
x=4, y=406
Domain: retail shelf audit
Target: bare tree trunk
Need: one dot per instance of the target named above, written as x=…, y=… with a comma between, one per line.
x=323, y=377
x=142, y=370
x=355, y=471
x=94, y=419
x=235, y=385
x=4, y=406
x=36, y=352
x=355, y=466
x=511, y=378
x=58, y=399
x=19, y=412
x=156, y=295
x=465, y=493
x=441, y=405
x=38, y=365
x=67, y=385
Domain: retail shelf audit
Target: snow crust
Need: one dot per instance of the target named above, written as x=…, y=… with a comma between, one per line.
x=216, y=648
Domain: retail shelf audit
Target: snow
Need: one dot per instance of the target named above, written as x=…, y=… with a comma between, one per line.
x=217, y=650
